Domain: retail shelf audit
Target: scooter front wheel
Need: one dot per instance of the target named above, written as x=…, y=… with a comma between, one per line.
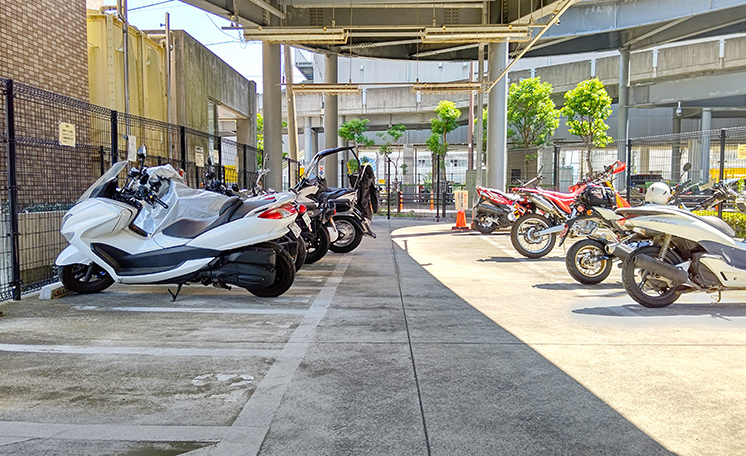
x=587, y=262
x=526, y=239
x=85, y=278
x=284, y=277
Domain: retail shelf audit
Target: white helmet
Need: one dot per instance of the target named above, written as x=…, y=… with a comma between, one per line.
x=658, y=193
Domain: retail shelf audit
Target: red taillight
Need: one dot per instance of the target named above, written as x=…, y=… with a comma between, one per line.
x=286, y=210
x=335, y=211
x=302, y=209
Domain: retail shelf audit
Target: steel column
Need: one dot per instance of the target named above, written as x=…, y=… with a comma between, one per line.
x=15, y=251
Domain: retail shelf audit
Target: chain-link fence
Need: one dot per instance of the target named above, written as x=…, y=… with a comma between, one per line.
x=54, y=147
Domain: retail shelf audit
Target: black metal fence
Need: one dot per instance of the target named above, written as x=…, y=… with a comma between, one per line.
x=54, y=147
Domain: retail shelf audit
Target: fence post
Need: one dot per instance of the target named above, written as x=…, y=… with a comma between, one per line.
x=401, y=201
x=629, y=169
x=555, y=169
x=341, y=173
x=101, y=154
x=445, y=201
x=388, y=188
x=437, y=188
x=114, y=138
x=183, y=145
x=219, y=144
x=14, y=234
x=722, y=167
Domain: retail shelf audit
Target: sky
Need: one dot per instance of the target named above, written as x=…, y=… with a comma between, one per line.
x=246, y=57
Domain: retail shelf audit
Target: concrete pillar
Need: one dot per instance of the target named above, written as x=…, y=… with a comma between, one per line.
x=272, y=107
x=308, y=140
x=705, y=153
x=331, y=121
x=245, y=134
x=497, y=117
x=676, y=148
x=622, y=130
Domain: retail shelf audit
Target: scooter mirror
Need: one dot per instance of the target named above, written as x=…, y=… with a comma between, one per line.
x=687, y=166
x=142, y=152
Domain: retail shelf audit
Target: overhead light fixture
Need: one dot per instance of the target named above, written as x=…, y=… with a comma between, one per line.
x=445, y=87
x=287, y=35
x=473, y=34
x=329, y=89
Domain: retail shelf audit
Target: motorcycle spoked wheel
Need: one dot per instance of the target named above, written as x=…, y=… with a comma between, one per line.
x=587, y=262
x=645, y=287
x=349, y=237
x=484, y=226
x=284, y=276
x=73, y=277
x=317, y=244
x=524, y=239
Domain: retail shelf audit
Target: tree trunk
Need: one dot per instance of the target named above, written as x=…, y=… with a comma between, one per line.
x=588, y=161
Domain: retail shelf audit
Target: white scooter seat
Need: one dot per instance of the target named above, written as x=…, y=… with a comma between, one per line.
x=719, y=224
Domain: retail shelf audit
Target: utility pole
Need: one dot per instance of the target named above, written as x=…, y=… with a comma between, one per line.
x=292, y=127
x=122, y=10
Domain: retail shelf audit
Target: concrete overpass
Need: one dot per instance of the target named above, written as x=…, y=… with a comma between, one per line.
x=409, y=29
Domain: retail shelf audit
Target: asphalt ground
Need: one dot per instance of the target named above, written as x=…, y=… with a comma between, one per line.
x=421, y=342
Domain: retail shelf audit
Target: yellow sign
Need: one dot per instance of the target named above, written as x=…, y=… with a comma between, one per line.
x=381, y=181
x=231, y=174
x=742, y=151
x=67, y=134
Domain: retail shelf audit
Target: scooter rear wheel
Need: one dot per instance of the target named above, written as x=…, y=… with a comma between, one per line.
x=484, y=226
x=284, y=277
x=645, y=287
x=349, y=237
x=73, y=277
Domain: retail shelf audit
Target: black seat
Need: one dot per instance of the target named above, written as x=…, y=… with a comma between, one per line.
x=247, y=207
x=719, y=224
x=190, y=229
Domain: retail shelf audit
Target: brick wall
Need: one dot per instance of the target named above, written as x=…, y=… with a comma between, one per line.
x=44, y=44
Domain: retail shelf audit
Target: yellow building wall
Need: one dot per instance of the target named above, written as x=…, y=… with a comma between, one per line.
x=147, y=68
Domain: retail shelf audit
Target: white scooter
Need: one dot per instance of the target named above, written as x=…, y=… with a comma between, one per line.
x=180, y=235
x=686, y=253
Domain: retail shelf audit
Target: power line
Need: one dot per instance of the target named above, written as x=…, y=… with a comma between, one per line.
x=148, y=6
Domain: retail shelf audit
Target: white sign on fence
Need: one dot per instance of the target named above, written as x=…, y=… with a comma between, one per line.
x=67, y=134
x=461, y=198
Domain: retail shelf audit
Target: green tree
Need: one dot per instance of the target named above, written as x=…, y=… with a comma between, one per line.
x=532, y=116
x=390, y=138
x=354, y=131
x=587, y=106
x=446, y=122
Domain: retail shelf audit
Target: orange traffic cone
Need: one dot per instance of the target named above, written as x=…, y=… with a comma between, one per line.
x=460, y=221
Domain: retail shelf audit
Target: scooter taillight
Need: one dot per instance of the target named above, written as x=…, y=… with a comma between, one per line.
x=286, y=210
x=302, y=208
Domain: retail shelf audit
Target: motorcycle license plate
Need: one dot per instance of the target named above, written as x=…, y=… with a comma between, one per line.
x=295, y=229
x=306, y=219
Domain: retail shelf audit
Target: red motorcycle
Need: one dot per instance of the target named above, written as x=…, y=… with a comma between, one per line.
x=534, y=234
x=496, y=209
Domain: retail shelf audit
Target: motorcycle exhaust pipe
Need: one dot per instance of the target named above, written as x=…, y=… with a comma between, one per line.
x=619, y=250
x=550, y=230
x=671, y=273
x=543, y=204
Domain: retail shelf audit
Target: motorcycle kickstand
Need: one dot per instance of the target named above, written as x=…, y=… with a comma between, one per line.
x=720, y=296
x=174, y=295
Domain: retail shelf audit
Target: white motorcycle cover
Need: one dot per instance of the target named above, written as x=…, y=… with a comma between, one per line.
x=183, y=202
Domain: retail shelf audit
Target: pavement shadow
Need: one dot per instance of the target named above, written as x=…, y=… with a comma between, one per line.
x=715, y=310
x=484, y=391
x=517, y=260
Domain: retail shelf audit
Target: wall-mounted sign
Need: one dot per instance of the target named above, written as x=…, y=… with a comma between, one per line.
x=215, y=157
x=67, y=134
x=199, y=157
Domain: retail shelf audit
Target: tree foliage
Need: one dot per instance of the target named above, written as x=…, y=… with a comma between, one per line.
x=587, y=106
x=354, y=131
x=532, y=116
x=447, y=121
x=389, y=138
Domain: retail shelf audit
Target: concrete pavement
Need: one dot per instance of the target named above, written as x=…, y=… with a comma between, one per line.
x=424, y=342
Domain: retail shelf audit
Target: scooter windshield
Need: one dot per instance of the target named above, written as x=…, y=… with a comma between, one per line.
x=98, y=187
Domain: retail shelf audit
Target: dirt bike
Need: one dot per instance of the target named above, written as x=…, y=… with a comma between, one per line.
x=534, y=234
